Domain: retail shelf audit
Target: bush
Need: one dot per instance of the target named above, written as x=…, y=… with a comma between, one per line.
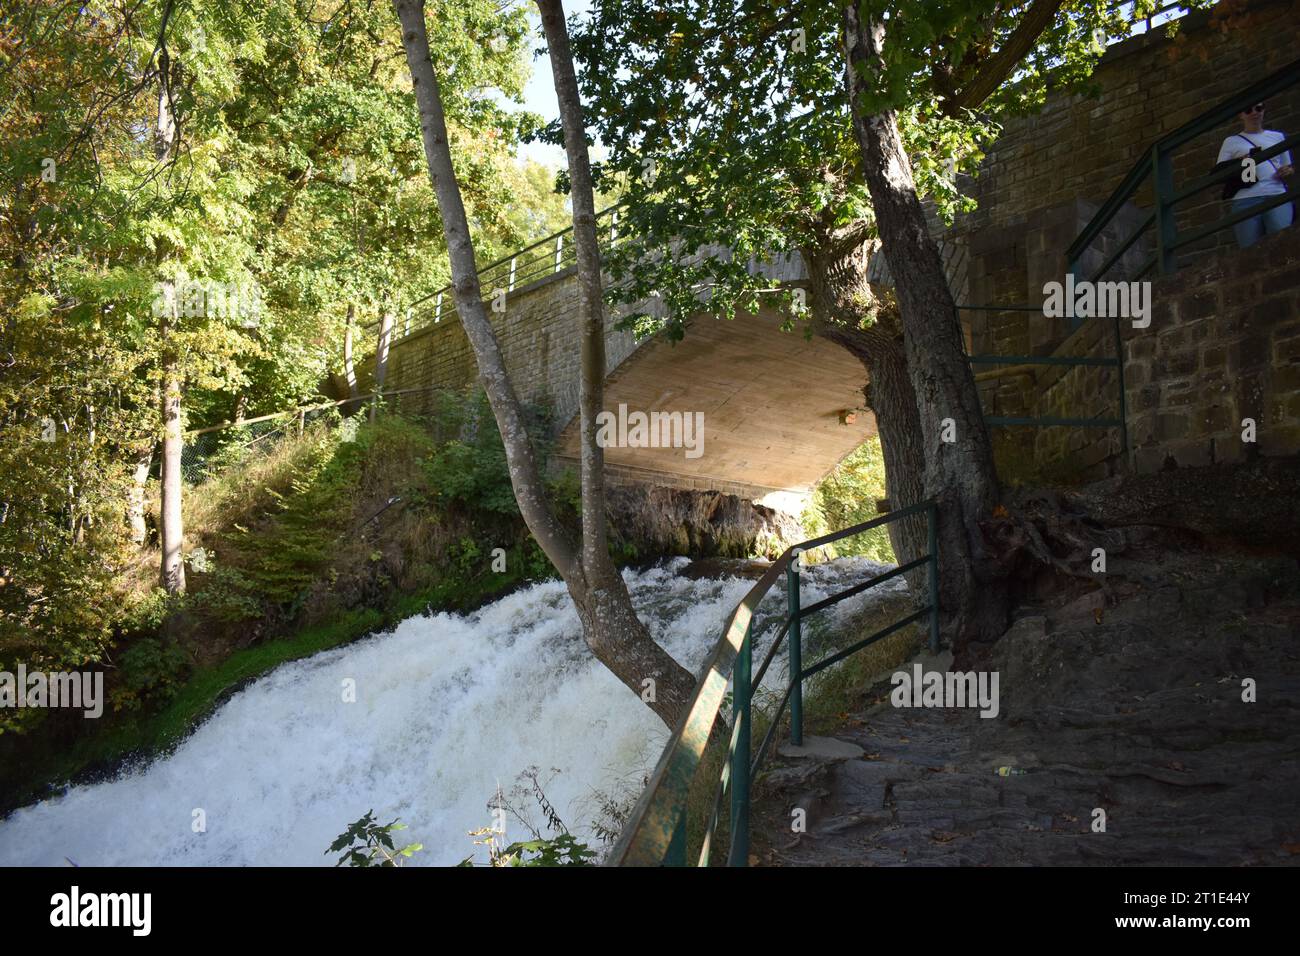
x=149, y=667
x=848, y=496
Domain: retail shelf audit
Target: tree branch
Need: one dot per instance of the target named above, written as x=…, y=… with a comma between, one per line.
x=1002, y=64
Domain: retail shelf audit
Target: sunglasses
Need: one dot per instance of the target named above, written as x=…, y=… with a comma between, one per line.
x=1257, y=108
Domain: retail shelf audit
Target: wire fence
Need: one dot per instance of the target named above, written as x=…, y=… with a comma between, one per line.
x=207, y=452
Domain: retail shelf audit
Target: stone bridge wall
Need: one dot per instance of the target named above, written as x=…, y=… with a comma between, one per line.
x=1040, y=184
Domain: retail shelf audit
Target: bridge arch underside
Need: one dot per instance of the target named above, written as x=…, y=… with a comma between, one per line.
x=779, y=410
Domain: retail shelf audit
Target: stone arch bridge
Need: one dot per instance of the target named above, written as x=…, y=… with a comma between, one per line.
x=779, y=410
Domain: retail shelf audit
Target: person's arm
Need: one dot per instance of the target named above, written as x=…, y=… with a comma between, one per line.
x=1284, y=168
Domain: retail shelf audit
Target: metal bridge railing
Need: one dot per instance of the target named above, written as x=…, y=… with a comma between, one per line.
x=655, y=833
x=545, y=257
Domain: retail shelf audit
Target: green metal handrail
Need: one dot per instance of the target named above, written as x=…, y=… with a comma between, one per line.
x=655, y=833
x=1115, y=361
x=1156, y=162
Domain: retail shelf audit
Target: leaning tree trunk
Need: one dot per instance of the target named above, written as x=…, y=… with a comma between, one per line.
x=959, y=469
x=381, y=358
x=613, y=630
x=610, y=625
x=848, y=311
x=349, y=367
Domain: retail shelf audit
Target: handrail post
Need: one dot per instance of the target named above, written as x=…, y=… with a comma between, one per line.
x=676, y=855
x=511, y=285
x=796, y=651
x=1162, y=185
x=559, y=249
x=932, y=520
x=1123, y=398
x=738, y=854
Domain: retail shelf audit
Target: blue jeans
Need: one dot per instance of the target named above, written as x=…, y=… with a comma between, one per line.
x=1250, y=231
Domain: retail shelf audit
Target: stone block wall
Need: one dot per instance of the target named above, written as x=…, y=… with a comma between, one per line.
x=538, y=334
x=1224, y=345
x=1049, y=171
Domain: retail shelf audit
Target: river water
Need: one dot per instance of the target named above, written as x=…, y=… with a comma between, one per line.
x=448, y=708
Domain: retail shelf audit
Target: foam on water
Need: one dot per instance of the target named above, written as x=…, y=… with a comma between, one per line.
x=447, y=708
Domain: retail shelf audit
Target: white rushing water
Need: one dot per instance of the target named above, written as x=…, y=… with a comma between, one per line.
x=447, y=708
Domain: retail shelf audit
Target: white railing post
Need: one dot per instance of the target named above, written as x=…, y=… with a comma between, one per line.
x=511, y=286
x=559, y=248
x=437, y=309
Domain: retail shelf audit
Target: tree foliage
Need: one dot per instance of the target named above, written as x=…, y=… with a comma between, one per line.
x=728, y=121
x=292, y=191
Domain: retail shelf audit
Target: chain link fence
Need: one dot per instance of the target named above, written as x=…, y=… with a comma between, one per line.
x=209, y=451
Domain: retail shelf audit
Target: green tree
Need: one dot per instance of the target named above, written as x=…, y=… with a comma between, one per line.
x=734, y=121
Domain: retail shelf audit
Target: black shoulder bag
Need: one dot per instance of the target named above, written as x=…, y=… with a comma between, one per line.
x=1233, y=184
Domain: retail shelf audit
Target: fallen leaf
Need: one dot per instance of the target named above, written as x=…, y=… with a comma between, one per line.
x=1000, y=512
x=1096, y=613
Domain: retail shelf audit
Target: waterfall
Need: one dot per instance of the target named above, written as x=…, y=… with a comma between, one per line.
x=446, y=709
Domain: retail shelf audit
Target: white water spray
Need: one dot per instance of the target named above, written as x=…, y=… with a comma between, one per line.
x=447, y=708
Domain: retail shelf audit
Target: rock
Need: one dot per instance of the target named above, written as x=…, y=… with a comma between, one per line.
x=1139, y=716
x=823, y=749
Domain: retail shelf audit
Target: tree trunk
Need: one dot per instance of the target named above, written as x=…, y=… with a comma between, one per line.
x=135, y=503
x=849, y=312
x=521, y=459
x=381, y=358
x=172, y=531
x=349, y=368
x=613, y=631
x=610, y=625
x=959, y=472
x=170, y=527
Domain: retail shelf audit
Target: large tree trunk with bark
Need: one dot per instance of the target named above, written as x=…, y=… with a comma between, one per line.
x=610, y=625
x=170, y=528
x=848, y=311
x=959, y=469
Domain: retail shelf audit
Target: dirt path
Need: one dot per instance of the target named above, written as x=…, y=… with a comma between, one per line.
x=1135, y=709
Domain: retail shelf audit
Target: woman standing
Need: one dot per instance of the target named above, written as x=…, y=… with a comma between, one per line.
x=1271, y=175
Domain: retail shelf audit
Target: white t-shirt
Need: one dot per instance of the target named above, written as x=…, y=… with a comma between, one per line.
x=1236, y=146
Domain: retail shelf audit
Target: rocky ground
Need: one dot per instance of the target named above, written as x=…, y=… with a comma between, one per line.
x=1131, y=704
